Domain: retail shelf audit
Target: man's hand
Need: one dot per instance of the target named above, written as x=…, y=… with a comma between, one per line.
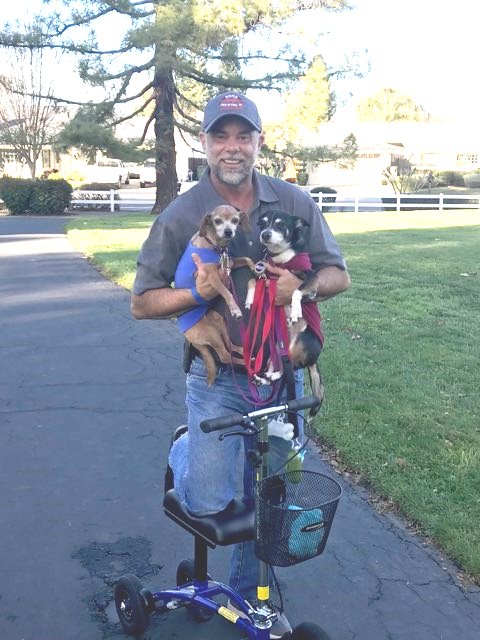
x=203, y=277
x=287, y=282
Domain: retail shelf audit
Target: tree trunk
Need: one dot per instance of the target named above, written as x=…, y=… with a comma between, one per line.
x=165, y=155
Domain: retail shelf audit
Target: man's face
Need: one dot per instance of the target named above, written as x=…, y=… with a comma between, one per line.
x=232, y=148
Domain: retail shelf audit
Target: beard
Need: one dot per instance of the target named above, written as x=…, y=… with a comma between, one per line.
x=233, y=177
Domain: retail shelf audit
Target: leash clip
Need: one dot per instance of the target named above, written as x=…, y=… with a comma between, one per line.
x=225, y=262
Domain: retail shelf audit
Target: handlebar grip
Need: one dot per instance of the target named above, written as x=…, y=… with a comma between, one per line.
x=216, y=424
x=307, y=402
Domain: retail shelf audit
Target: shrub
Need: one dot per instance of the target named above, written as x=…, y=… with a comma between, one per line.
x=40, y=197
x=450, y=178
x=16, y=194
x=50, y=197
x=324, y=190
x=99, y=186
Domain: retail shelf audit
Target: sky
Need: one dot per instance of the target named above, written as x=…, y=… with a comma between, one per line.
x=427, y=49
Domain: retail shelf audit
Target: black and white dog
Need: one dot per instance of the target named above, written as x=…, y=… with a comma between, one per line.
x=284, y=237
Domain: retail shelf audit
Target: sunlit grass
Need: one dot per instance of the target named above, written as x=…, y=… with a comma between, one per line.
x=401, y=360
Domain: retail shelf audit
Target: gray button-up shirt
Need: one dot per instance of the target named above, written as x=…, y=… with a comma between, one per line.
x=175, y=226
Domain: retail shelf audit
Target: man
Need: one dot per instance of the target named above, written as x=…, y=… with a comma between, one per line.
x=231, y=138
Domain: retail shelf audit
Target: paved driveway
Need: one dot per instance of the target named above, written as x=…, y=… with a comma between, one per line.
x=88, y=399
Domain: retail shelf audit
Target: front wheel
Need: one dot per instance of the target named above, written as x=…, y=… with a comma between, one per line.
x=130, y=605
x=185, y=572
x=308, y=631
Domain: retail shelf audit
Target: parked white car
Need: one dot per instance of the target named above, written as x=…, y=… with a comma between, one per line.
x=147, y=173
x=108, y=171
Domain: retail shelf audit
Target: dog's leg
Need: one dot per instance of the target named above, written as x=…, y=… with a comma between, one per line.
x=250, y=293
x=229, y=299
x=237, y=263
x=316, y=385
x=296, y=307
x=210, y=364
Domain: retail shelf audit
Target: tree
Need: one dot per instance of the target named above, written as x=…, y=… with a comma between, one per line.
x=389, y=105
x=310, y=103
x=275, y=160
x=29, y=114
x=89, y=131
x=185, y=49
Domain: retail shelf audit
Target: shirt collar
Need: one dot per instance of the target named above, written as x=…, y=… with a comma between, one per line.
x=262, y=189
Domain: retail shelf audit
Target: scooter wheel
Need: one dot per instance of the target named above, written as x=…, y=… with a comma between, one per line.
x=308, y=631
x=131, y=608
x=185, y=572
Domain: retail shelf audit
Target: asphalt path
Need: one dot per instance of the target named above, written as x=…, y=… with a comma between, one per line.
x=88, y=400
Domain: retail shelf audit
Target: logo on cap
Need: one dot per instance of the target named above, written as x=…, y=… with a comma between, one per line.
x=231, y=101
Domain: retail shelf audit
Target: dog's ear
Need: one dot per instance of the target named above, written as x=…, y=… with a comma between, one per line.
x=205, y=224
x=299, y=236
x=244, y=221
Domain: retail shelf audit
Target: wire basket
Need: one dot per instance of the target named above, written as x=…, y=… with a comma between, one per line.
x=293, y=515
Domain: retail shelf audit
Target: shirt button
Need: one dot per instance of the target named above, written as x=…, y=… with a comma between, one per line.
x=250, y=243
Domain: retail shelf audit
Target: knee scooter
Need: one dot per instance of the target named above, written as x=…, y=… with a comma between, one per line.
x=290, y=522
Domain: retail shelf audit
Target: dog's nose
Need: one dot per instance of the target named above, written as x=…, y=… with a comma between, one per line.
x=228, y=233
x=266, y=235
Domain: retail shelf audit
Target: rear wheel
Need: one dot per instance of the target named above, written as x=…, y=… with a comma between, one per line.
x=308, y=631
x=185, y=572
x=130, y=605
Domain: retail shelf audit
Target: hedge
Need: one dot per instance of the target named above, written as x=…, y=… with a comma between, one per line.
x=36, y=196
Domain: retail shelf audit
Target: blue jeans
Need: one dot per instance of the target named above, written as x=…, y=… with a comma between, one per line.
x=213, y=470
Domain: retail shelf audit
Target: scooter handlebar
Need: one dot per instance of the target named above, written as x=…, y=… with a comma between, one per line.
x=223, y=422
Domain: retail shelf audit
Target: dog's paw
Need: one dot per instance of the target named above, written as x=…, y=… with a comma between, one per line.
x=273, y=375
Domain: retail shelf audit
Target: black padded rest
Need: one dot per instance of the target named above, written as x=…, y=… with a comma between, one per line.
x=233, y=524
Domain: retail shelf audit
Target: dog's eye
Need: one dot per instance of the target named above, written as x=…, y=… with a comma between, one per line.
x=263, y=222
x=235, y=220
x=279, y=224
x=217, y=221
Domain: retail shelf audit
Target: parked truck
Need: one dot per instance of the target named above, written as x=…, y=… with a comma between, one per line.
x=108, y=171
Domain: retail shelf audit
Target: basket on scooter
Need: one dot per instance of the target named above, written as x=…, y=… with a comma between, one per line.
x=293, y=515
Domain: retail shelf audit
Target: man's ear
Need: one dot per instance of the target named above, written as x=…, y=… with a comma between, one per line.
x=202, y=138
x=206, y=222
x=261, y=140
x=299, y=236
x=244, y=221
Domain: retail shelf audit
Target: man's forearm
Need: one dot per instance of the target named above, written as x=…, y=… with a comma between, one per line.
x=330, y=281
x=161, y=303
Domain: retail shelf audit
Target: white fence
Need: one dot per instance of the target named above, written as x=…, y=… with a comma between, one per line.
x=112, y=201
x=397, y=202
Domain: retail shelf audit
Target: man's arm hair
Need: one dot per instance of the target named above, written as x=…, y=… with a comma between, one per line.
x=161, y=303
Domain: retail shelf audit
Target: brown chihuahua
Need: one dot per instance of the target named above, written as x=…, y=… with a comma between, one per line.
x=216, y=230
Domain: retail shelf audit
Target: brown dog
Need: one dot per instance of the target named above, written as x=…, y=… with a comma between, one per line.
x=209, y=331
x=216, y=230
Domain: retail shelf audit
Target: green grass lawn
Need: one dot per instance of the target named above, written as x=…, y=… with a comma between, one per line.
x=401, y=360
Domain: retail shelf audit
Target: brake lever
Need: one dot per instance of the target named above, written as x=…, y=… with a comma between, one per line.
x=250, y=431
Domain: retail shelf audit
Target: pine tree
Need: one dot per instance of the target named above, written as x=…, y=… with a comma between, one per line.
x=173, y=56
